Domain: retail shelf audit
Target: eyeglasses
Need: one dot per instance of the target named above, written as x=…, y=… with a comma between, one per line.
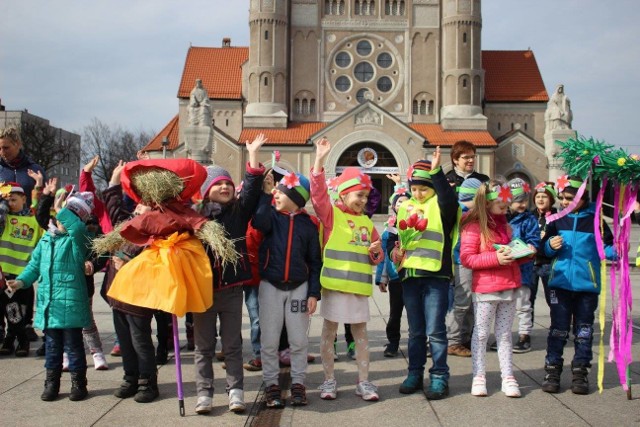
x=466, y=158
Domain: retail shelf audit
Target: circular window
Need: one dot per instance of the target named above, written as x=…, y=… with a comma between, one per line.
x=343, y=83
x=343, y=59
x=384, y=60
x=384, y=84
x=362, y=95
x=363, y=72
x=364, y=48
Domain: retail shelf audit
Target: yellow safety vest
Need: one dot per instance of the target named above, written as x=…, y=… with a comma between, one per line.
x=21, y=234
x=638, y=257
x=425, y=251
x=347, y=265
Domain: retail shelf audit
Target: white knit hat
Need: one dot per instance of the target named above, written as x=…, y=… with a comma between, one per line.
x=81, y=204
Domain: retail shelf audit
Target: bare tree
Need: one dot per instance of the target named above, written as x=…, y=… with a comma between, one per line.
x=111, y=144
x=47, y=146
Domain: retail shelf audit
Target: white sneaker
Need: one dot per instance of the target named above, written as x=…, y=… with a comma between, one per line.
x=479, y=386
x=328, y=389
x=99, y=362
x=367, y=390
x=203, y=406
x=510, y=387
x=65, y=362
x=236, y=400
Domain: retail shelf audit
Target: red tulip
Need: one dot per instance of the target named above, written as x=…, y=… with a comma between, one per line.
x=412, y=221
x=402, y=225
x=422, y=224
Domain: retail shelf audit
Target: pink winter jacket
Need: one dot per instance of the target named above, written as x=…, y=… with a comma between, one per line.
x=488, y=275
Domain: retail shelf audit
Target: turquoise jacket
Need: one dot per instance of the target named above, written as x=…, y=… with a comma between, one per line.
x=57, y=263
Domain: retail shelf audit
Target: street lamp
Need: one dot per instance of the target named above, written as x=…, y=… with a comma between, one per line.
x=165, y=144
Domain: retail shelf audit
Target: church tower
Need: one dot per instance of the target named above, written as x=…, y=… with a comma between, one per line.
x=462, y=74
x=267, y=65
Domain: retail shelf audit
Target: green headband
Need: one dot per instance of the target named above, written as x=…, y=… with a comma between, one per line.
x=303, y=191
x=421, y=174
x=348, y=184
x=466, y=190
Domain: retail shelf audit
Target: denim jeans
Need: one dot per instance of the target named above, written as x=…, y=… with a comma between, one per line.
x=67, y=340
x=253, y=307
x=540, y=272
x=565, y=306
x=426, y=300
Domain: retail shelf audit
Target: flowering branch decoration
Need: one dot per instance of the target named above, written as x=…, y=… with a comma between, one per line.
x=290, y=180
x=411, y=228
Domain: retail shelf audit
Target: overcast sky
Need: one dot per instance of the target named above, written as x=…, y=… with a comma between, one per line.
x=121, y=60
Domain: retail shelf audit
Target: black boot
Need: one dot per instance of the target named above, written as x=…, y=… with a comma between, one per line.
x=23, y=347
x=42, y=350
x=7, y=345
x=147, y=389
x=51, y=385
x=580, y=381
x=128, y=387
x=551, y=383
x=78, y=385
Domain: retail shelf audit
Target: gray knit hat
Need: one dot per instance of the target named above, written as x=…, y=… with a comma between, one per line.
x=520, y=189
x=468, y=189
x=214, y=174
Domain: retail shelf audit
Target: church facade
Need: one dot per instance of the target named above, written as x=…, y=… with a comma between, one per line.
x=386, y=81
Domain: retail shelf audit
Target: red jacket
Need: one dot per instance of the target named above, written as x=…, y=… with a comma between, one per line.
x=488, y=275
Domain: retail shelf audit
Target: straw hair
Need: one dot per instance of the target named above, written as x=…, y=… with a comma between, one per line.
x=156, y=185
x=213, y=234
x=480, y=213
x=110, y=242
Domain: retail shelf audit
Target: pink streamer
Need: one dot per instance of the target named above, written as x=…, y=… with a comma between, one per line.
x=597, y=218
x=566, y=211
x=621, y=328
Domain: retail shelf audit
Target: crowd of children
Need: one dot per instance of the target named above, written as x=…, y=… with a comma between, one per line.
x=465, y=261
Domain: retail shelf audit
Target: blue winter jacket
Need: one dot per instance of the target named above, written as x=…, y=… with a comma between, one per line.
x=525, y=227
x=576, y=265
x=387, y=264
x=290, y=252
x=456, y=250
x=18, y=172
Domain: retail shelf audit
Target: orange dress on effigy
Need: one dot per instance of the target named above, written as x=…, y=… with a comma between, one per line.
x=173, y=272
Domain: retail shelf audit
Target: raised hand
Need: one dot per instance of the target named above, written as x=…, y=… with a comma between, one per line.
x=323, y=146
x=253, y=147
x=394, y=177
x=435, y=160
x=91, y=165
x=117, y=171
x=37, y=177
x=50, y=187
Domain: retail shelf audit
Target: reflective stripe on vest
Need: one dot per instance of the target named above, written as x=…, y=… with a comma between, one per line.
x=21, y=234
x=346, y=264
x=425, y=252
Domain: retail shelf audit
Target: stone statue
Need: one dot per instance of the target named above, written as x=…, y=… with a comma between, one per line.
x=199, y=107
x=558, y=114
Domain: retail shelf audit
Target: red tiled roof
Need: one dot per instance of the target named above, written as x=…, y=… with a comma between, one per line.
x=218, y=67
x=438, y=136
x=296, y=134
x=170, y=131
x=512, y=75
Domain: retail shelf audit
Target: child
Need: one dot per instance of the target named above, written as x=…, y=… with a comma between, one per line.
x=62, y=303
x=460, y=318
x=290, y=264
x=524, y=226
x=351, y=245
x=388, y=280
x=132, y=323
x=495, y=278
x=428, y=269
x=574, y=285
x=233, y=214
x=15, y=250
x=544, y=199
